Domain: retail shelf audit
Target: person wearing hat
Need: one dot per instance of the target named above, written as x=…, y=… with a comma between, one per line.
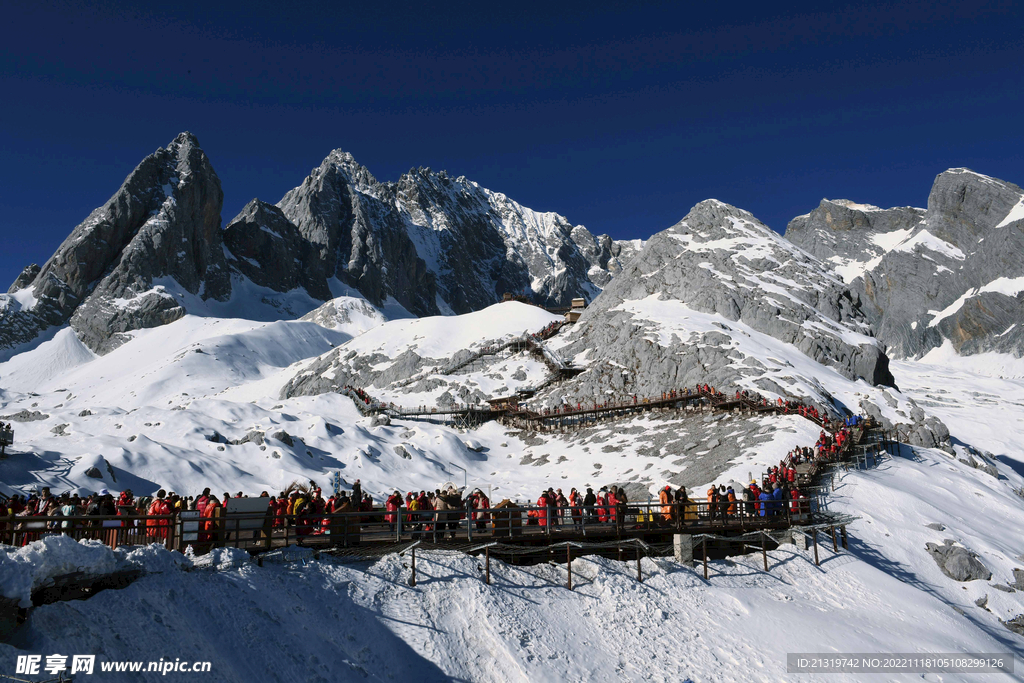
x=589, y=501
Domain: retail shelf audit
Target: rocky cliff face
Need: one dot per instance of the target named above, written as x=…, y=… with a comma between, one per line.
x=438, y=244
x=955, y=274
x=110, y=275
x=852, y=237
x=429, y=242
x=720, y=298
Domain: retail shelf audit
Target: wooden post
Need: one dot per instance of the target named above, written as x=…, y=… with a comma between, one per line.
x=764, y=550
x=705, y=558
x=835, y=546
x=568, y=563
x=412, y=578
x=814, y=534
x=639, y=571
x=487, y=565
x=842, y=530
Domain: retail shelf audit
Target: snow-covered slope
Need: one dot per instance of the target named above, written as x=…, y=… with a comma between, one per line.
x=403, y=352
x=883, y=595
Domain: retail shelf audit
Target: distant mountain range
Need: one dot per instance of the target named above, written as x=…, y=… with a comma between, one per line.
x=429, y=244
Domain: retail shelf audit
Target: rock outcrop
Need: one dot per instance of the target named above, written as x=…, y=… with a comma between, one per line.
x=692, y=306
x=438, y=244
x=129, y=264
x=955, y=275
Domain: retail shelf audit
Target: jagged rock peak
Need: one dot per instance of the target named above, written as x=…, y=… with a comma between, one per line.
x=436, y=243
x=162, y=224
x=928, y=277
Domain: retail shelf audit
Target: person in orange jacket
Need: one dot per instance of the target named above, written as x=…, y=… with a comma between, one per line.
x=210, y=526
x=158, y=528
x=665, y=498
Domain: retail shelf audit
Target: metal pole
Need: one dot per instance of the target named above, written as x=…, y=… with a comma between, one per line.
x=487, y=564
x=568, y=563
x=764, y=550
x=814, y=534
x=705, y=558
x=639, y=571
x=412, y=579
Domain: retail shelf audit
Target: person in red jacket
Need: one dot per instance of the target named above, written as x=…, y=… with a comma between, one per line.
x=392, y=504
x=482, y=505
x=542, y=512
x=602, y=503
x=157, y=528
x=613, y=512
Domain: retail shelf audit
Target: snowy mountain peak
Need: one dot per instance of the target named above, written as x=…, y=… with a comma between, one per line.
x=935, y=276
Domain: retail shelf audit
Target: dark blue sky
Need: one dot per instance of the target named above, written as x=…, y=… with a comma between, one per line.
x=619, y=116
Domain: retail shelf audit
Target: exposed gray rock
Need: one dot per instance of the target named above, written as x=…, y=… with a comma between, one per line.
x=1018, y=579
x=25, y=416
x=284, y=437
x=930, y=276
x=936, y=526
x=982, y=601
x=475, y=244
x=60, y=430
x=85, y=413
x=925, y=431
x=345, y=311
x=957, y=562
x=1016, y=624
x=1001, y=587
x=132, y=261
x=254, y=436
x=380, y=421
x=718, y=260
x=94, y=472
x=403, y=452
x=847, y=235
x=269, y=250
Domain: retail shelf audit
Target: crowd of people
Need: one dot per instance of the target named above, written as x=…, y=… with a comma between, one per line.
x=440, y=512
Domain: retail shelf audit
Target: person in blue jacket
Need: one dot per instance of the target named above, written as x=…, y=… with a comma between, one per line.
x=765, y=499
x=777, y=500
